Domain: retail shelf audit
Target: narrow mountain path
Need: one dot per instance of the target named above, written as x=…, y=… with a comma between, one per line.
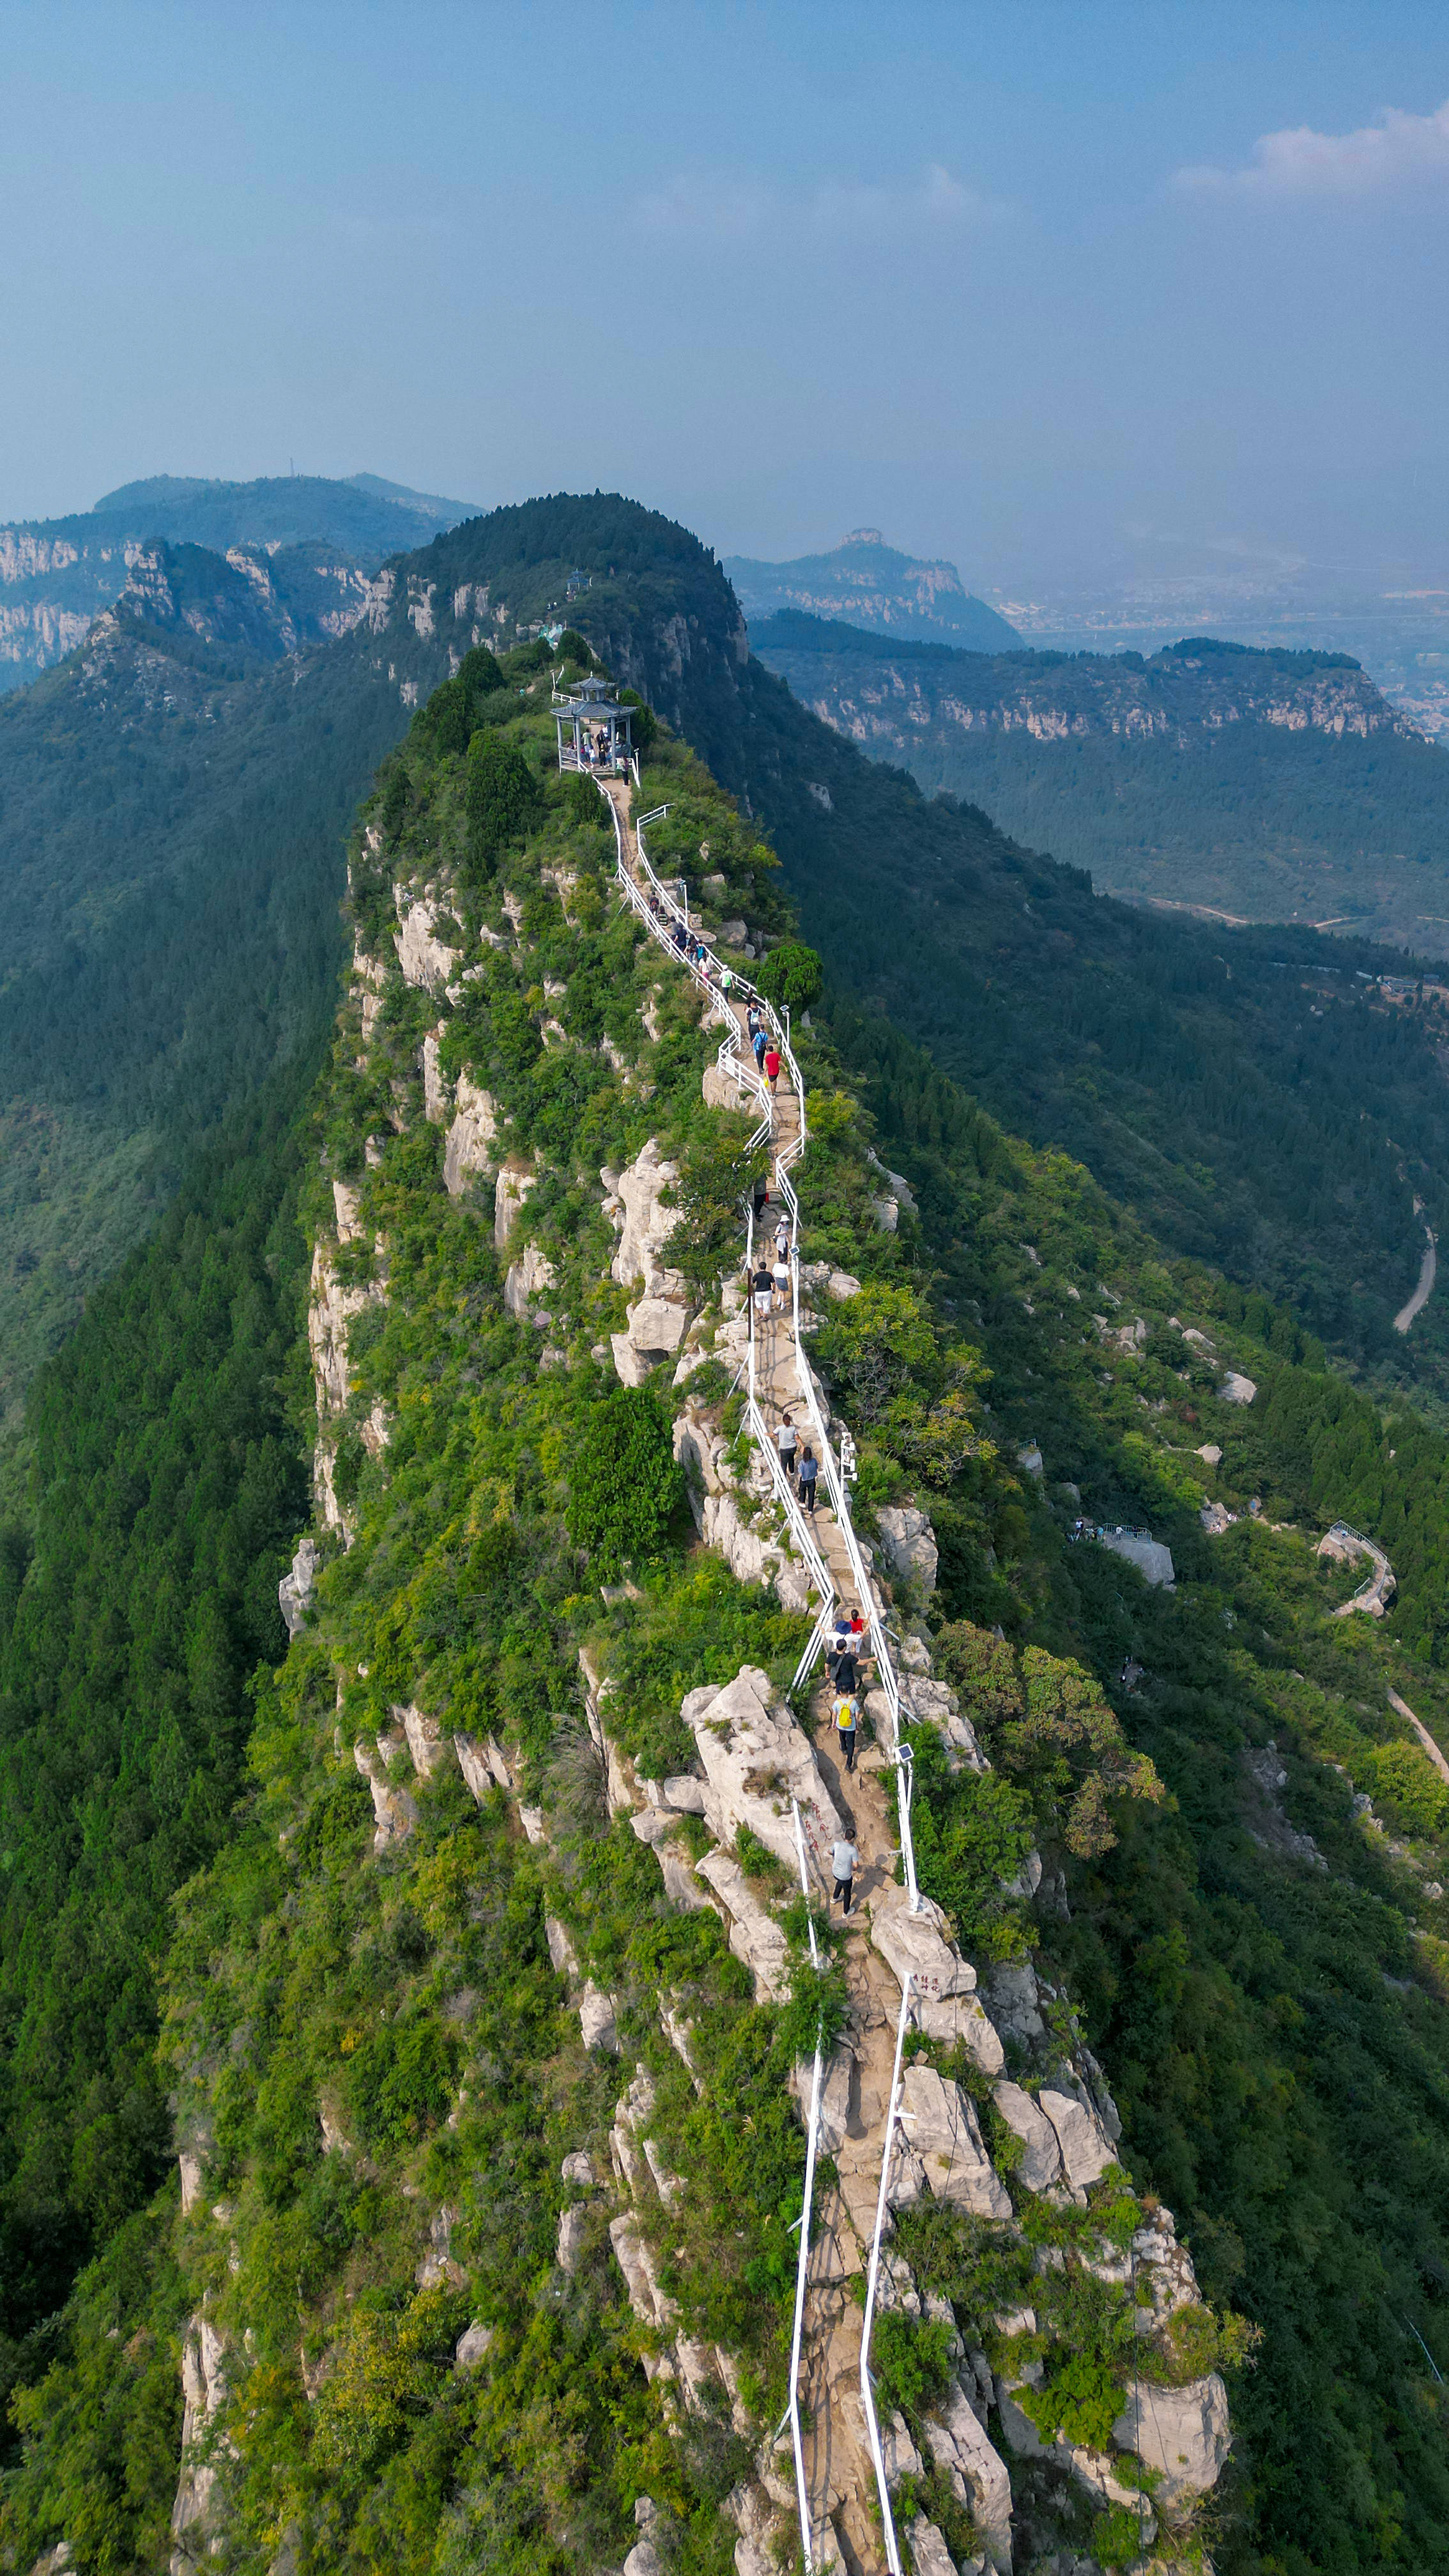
x=1423, y=1292
x=839, y=2469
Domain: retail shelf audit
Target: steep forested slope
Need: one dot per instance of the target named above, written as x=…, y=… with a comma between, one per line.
x=167, y=1483
x=376, y=2076
x=173, y=806
x=1270, y=786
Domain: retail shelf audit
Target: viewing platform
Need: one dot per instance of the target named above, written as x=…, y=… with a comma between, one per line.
x=594, y=730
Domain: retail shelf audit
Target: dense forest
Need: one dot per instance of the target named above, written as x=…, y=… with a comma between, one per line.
x=1258, y=1958
x=137, y=1600
x=1265, y=786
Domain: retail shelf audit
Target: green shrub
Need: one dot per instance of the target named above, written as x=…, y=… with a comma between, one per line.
x=624, y=1480
x=910, y=2361
x=790, y=975
x=502, y=798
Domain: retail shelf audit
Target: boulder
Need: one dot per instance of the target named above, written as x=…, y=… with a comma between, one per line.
x=755, y=1760
x=597, y=2024
x=940, y=2123
x=294, y=1592
x=721, y=1089
x=1150, y=1556
x=652, y=1335
x=1087, y=2150
x=1237, y=1389
x=929, y=2553
x=468, y=1153
x=908, y=1544
x=1183, y=2433
x=961, y=2019
x=1216, y=1518
x=916, y=1945
x=1210, y=1453
x=471, y=2347
x=1041, y=2163
x=975, y=2472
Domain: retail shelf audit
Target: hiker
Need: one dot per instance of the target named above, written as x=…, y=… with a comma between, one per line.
x=772, y=1066
x=757, y=1041
x=761, y=1284
x=809, y=1470
x=752, y=1020
x=785, y=1441
x=847, y=1671
x=782, y=1279
x=858, y=1635
x=838, y=1642
x=847, y=1721
x=845, y=1861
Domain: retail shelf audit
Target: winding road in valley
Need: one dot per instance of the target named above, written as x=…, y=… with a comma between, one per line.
x=1425, y=1288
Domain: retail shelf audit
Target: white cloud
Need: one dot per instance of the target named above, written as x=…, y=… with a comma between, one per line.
x=839, y=210
x=1300, y=162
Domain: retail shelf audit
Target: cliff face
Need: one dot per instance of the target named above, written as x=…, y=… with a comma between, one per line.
x=57, y=576
x=886, y=703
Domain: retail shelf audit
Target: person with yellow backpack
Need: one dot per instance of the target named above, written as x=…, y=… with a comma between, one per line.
x=847, y=1724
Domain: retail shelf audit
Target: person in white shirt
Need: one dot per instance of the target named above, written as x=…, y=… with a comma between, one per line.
x=786, y=1443
x=845, y=1861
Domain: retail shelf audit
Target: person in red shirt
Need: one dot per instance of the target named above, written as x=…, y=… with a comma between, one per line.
x=772, y=1066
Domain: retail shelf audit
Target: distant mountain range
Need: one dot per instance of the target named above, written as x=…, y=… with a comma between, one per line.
x=871, y=584
x=57, y=575
x=1259, y=785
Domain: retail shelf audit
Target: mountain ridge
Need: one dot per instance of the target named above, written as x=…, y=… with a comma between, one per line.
x=865, y=579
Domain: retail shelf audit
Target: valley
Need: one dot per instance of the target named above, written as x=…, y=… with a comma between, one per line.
x=1269, y=785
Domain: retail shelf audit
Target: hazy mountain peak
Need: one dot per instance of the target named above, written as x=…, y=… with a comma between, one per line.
x=873, y=584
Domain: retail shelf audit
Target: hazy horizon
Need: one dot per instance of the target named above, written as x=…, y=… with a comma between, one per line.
x=1032, y=292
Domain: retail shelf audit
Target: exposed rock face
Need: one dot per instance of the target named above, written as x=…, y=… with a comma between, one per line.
x=975, y=2472
x=329, y=1312
x=645, y=1224
x=468, y=1155
x=945, y=2137
x=1183, y=2433
x=295, y=1589
x=1041, y=2163
x=1087, y=2150
x=472, y=2347
x=700, y=1446
x=514, y=1186
x=908, y=1544
x=1150, y=1556
x=755, y=1759
x=396, y=1813
x=437, y=1092
x=424, y=958
x=204, y=2393
x=525, y=1277
x=754, y=1935
x=1237, y=1389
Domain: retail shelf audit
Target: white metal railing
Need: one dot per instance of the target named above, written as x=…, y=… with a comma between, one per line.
x=802, y=2268
x=660, y=918
x=867, y=2388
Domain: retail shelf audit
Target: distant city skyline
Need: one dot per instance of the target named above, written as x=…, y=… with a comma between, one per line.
x=1045, y=292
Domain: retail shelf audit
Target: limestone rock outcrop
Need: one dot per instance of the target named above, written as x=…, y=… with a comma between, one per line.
x=908, y=1544
x=426, y=960
x=468, y=1154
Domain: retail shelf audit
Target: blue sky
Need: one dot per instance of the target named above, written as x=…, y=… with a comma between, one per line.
x=1010, y=282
